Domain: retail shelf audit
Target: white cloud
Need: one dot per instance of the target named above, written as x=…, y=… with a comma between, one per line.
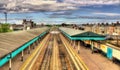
x=107, y=14
x=36, y=5
x=49, y=5
x=91, y=2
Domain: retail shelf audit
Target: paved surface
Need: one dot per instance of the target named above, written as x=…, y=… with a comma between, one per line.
x=97, y=61
x=16, y=62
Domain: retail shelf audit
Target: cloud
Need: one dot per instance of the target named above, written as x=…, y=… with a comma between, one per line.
x=107, y=14
x=36, y=5
x=49, y=5
x=62, y=13
x=93, y=2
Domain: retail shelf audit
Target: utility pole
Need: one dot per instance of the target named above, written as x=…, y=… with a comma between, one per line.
x=5, y=17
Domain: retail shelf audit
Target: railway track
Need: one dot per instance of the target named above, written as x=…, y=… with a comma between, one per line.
x=32, y=63
x=66, y=63
x=55, y=54
x=45, y=65
x=79, y=64
x=56, y=57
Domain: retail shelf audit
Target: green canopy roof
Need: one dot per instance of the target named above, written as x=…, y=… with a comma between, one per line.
x=87, y=34
x=81, y=35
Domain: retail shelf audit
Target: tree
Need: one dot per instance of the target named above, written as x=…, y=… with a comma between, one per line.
x=4, y=28
x=64, y=24
x=107, y=24
x=103, y=24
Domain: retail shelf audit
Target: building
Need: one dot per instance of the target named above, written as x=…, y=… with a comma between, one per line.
x=103, y=28
x=16, y=27
x=26, y=25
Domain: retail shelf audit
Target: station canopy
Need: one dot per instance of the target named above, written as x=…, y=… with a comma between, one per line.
x=12, y=40
x=74, y=34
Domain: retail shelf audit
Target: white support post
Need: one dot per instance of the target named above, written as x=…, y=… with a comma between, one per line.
x=10, y=65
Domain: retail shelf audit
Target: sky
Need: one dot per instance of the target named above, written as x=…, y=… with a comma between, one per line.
x=60, y=11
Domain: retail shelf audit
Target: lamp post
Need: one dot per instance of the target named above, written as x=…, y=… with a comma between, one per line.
x=5, y=17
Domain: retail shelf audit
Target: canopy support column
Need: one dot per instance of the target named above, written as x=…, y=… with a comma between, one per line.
x=92, y=46
x=29, y=50
x=37, y=41
x=78, y=47
x=71, y=42
x=22, y=55
x=10, y=65
x=33, y=45
x=74, y=44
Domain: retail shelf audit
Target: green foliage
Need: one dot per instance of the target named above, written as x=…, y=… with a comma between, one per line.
x=49, y=25
x=4, y=28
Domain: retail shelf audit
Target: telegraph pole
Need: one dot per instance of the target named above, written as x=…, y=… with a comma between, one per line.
x=5, y=17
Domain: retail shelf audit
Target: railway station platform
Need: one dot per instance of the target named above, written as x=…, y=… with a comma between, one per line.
x=54, y=49
x=15, y=43
x=77, y=37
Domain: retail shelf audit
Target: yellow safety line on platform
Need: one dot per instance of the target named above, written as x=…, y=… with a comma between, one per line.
x=29, y=59
x=76, y=56
x=33, y=61
x=71, y=55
